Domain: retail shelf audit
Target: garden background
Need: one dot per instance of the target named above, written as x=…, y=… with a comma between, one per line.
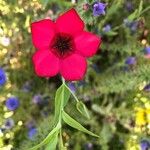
x=116, y=88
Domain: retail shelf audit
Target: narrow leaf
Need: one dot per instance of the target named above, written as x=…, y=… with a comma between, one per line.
x=140, y=7
x=133, y=16
x=83, y=109
x=61, y=99
x=58, y=102
x=48, y=138
x=111, y=33
x=73, y=123
x=66, y=95
x=53, y=142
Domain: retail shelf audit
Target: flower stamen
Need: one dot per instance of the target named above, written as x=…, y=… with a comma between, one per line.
x=62, y=44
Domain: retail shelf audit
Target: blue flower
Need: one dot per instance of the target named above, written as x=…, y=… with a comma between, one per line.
x=130, y=61
x=9, y=123
x=37, y=99
x=107, y=28
x=31, y=133
x=99, y=8
x=147, y=88
x=147, y=50
x=2, y=77
x=145, y=145
x=72, y=86
x=12, y=103
x=132, y=25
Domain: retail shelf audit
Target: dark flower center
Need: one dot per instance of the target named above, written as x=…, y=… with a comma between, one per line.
x=96, y=8
x=62, y=45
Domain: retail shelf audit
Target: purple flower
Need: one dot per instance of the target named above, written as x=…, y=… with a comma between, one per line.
x=37, y=99
x=107, y=28
x=147, y=50
x=88, y=146
x=72, y=86
x=9, y=123
x=2, y=77
x=99, y=8
x=145, y=145
x=12, y=103
x=31, y=133
x=147, y=88
x=130, y=60
x=26, y=87
x=129, y=5
x=132, y=25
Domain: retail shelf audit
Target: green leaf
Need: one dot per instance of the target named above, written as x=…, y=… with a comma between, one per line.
x=53, y=143
x=61, y=99
x=83, y=109
x=133, y=16
x=145, y=10
x=71, y=93
x=73, y=123
x=111, y=33
x=66, y=95
x=140, y=7
x=106, y=133
x=49, y=138
x=98, y=109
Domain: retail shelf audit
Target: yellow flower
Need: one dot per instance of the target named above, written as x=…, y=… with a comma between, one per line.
x=132, y=144
x=140, y=117
x=148, y=115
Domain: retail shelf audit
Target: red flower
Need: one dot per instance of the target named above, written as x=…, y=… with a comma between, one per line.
x=63, y=46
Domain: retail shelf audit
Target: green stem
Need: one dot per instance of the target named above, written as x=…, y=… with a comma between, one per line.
x=72, y=93
x=63, y=80
x=146, y=9
x=61, y=146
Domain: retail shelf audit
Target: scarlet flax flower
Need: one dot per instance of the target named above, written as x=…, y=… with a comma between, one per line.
x=63, y=46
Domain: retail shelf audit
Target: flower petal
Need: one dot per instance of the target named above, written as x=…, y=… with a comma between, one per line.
x=46, y=64
x=73, y=67
x=87, y=43
x=42, y=33
x=70, y=22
